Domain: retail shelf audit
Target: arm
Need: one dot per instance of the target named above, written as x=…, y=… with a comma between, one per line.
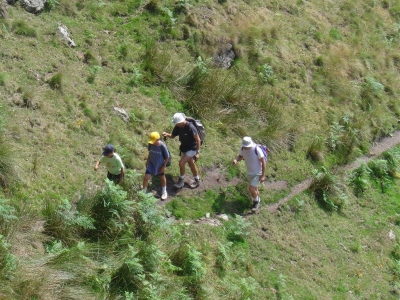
x=198, y=143
x=96, y=166
x=169, y=135
x=237, y=159
x=263, y=165
x=121, y=175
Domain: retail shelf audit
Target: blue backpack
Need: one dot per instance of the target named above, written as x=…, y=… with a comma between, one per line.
x=264, y=149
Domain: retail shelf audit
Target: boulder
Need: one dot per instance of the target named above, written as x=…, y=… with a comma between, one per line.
x=225, y=57
x=11, y=2
x=33, y=6
x=64, y=35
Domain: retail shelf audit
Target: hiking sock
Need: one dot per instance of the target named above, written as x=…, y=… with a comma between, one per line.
x=197, y=177
x=163, y=189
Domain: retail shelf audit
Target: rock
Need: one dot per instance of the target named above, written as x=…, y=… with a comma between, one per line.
x=33, y=6
x=64, y=35
x=122, y=113
x=225, y=57
x=11, y=2
x=223, y=217
x=208, y=215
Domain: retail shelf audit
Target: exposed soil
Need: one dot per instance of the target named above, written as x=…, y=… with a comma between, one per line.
x=213, y=177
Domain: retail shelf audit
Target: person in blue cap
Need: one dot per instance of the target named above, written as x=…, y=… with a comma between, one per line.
x=113, y=163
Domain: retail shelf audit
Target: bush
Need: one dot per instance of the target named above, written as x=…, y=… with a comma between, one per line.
x=21, y=28
x=237, y=229
x=328, y=190
x=7, y=260
x=55, y=82
x=64, y=223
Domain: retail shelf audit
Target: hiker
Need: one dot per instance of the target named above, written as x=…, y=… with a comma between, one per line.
x=189, y=148
x=157, y=160
x=113, y=163
x=253, y=157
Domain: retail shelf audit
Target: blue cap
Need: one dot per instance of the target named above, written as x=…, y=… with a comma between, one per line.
x=108, y=149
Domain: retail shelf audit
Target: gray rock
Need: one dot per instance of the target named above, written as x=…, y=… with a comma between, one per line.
x=225, y=57
x=33, y=6
x=64, y=35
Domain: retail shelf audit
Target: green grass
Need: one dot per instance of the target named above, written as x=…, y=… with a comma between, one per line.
x=299, y=72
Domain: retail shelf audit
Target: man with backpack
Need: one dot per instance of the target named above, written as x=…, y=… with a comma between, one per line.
x=189, y=148
x=255, y=161
x=157, y=160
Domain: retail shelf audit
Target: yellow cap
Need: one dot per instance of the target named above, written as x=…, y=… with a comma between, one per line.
x=154, y=136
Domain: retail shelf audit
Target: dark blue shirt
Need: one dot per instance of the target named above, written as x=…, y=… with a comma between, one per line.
x=186, y=136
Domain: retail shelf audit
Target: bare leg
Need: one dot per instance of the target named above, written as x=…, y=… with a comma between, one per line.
x=146, y=179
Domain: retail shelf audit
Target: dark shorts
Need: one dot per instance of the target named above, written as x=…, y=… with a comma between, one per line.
x=149, y=172
x=114, y=178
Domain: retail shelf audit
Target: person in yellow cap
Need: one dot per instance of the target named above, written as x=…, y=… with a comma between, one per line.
x=157, y=160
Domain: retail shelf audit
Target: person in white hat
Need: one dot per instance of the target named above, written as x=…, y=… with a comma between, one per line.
x=190, y=147
x=253, y=157
x=156, y=162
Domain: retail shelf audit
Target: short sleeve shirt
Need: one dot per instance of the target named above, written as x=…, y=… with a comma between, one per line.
x=186, y=136
x=157, y=156
x=113, y=164
x=252, y=158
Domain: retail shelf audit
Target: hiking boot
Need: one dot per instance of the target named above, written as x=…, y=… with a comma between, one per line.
x=164, y=196
x=195, y=184
x=256, y=205
x=180, y=183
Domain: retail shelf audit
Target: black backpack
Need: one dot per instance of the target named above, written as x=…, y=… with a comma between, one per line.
x=200, y=128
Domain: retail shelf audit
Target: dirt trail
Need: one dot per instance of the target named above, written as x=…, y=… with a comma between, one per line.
x=377, y=149
x=213, y=176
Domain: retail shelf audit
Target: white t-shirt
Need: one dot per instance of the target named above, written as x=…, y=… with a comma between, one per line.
x=252, y=160
x=113, y=164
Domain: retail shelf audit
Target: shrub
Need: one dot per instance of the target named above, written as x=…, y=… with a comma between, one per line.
x=7, y=260
x=237, y=229
x=110, y=210
x=314, y=151
x=21, y=28
x=50, y=5
x=55, y=82
x=65, y=223
x=7, y=215
x=328, y=190
x=358, y=179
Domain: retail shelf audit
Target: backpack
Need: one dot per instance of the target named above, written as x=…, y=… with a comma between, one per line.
x=200, y=128
x=264, y=149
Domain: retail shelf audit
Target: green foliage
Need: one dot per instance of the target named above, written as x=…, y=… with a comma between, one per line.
x=222, y=261
x=22, y=28
x=335, y=34
x=110, y=209
x=94, y=70
x=148, y=216
x=135, y=78
x=315, y=150
x=328, y=190
x=64, y=223
x=237, y=229
x=8, y=261
x=281, y=288
x=358, y=179
x=7, y=215
x=7, y=168
x=380, y=171
x=55, y=82
x=371, y=90
x=267, y=74
x=192, y=79
x=50, y=5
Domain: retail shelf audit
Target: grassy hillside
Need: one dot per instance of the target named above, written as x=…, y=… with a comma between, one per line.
x=316, y=81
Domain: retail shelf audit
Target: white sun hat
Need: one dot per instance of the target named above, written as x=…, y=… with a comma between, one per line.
x=178, y=118
x=247, y=142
